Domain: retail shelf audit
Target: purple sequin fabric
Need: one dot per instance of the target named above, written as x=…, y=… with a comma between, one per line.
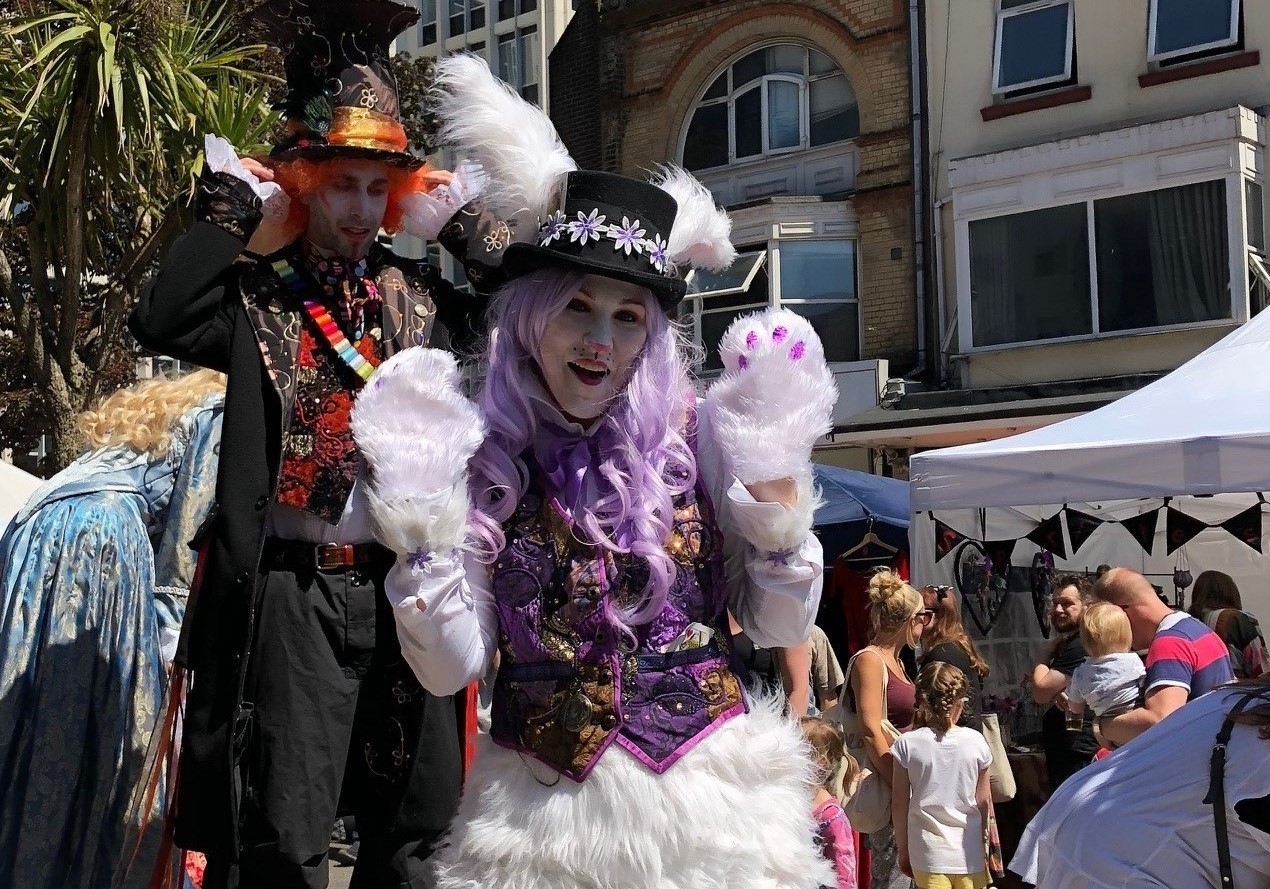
x=572, y=681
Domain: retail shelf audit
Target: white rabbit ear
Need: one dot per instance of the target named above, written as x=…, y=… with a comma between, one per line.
x=701, y=235
x=483, y=119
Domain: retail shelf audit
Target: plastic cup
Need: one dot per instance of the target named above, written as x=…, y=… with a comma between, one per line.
x=1075, y=721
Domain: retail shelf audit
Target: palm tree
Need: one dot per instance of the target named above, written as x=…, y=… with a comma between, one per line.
x=103, y=107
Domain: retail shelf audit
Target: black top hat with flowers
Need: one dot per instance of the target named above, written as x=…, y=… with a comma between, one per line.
x=607, y=225
x=341, y=93
x=649, y=233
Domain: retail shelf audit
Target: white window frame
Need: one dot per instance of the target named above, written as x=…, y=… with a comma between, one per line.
x=524, y=64
x=1002, y=14
x=769, y=256
x=1154, y=56
x=731, y=94
x=1236, y=249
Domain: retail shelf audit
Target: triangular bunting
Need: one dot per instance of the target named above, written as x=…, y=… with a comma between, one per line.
x=1049, y=535
x=1181, y=528
x=1246, y=526
x=1080, y=525
x=1001, y=552
x=1142, y=527
x=946, y=539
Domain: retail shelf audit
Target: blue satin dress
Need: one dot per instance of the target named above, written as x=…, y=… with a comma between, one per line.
x=95, y=570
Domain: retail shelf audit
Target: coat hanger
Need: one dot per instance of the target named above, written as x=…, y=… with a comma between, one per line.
x=869, y=539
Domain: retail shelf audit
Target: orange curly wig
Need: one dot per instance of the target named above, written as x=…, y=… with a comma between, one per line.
x=302, y=176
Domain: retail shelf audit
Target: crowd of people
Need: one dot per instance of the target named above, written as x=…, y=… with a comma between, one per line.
x=257, y=606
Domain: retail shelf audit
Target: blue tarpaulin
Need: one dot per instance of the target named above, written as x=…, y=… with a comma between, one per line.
x=854, y=503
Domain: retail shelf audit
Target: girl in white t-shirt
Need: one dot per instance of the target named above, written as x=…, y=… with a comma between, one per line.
x=940, y=792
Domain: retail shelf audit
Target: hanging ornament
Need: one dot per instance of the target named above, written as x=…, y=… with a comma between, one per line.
x=1042, y=588
x=981, y=595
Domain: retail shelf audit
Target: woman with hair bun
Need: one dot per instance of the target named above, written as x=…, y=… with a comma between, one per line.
x=883, y=696
x=940, y=793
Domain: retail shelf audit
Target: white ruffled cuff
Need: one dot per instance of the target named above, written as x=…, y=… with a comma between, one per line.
x=772, y=527
x=221, y=157
x=426, y=213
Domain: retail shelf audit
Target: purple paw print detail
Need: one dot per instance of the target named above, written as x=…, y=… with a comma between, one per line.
x=751, y=340
x=779, y=334
x=797, y=351
x=742, y=362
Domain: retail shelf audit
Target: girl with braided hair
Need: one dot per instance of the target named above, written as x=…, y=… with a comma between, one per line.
x=940, y=792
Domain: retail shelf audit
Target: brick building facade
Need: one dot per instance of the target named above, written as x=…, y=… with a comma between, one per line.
x=628, y=76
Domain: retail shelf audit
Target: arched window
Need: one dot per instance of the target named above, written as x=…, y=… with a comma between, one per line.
x=773, y=100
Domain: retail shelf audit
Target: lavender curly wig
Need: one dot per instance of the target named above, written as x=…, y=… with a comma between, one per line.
x=645, y=460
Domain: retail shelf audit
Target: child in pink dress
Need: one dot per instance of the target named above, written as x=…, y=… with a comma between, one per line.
x=840, y=770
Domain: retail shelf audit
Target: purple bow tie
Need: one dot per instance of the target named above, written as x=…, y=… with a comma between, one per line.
x=570, y=462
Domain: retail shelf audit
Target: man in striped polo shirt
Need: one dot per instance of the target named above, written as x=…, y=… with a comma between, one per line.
x=1185, y=659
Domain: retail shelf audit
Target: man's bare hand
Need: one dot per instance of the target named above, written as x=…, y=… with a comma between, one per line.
x=257, y=169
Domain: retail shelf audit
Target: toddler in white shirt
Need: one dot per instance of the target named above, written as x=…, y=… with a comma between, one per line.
x=1109, y=680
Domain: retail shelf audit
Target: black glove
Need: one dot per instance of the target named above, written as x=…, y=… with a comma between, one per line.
x=226, y=201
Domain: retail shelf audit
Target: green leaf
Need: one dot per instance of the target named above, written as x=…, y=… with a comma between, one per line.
x=70, y=34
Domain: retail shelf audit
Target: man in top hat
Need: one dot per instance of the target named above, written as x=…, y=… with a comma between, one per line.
x=300, y=705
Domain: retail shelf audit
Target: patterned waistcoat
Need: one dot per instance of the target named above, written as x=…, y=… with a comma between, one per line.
x=571, y=681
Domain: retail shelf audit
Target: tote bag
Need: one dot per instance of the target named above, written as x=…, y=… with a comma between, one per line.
x=1000, y=775
x=869, y=806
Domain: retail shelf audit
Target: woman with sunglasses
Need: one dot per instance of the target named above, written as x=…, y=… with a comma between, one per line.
x=946, y=641
x=883, y=697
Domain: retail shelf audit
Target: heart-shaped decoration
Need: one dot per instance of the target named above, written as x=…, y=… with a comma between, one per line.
x=1042, y=588
x=982, y=585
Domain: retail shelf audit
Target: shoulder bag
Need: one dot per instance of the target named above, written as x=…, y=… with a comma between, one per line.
x=1000, y=775
x=868, y=807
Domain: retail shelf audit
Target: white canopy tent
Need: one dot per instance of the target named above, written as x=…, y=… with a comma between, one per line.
x=1200, y=435
x=1202, y=429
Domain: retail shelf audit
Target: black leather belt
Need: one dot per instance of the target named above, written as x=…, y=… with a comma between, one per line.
x=299, y=555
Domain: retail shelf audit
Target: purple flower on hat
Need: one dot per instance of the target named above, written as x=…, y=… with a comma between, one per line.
x=587, y=227
x=657, y=253
x=627, y=237
x=554, y=228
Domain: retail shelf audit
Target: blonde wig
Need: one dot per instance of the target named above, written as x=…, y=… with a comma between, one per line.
x=142, y=416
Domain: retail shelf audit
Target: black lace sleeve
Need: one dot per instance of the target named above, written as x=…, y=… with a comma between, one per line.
x=228, y=203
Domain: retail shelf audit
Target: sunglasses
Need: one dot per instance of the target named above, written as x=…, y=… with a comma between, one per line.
x=926, y=615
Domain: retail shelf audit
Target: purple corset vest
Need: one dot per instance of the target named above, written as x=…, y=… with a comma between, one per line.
x=570, y=681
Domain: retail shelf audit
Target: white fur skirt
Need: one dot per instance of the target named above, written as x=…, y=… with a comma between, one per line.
x=734, y=813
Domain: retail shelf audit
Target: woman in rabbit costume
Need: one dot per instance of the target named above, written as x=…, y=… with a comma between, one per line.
x=592, y=523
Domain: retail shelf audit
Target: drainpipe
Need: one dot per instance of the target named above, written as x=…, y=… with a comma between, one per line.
x=937, y=214
x=917, y=101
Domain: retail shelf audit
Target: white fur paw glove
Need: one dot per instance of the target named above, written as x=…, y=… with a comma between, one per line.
x=417, y=432
x=775, y=397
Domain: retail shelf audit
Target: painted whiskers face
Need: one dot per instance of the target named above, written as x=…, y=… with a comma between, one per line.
x=589, y=348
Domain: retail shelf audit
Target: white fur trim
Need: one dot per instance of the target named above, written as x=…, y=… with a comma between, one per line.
x=700, y=237
x=514, y=142
x=417, y=433
x=775, y=397
x=735, y=813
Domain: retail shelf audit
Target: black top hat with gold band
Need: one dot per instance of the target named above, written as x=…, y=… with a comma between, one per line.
x=341, y=93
